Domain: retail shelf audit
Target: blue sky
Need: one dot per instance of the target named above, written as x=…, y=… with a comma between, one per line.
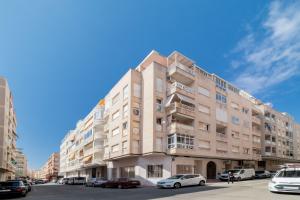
x=61, y=57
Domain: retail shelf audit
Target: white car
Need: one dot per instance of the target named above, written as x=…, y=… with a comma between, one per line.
x=286, y=180
x=180, y=180
x=239, y=174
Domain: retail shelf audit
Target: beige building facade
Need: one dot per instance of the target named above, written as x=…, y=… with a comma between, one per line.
x=21, y=164
x=81, y=150
x=169, y=116
x=50, y=169
x=8, y=134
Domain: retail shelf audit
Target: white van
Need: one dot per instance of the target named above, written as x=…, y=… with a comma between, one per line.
x=239, y=174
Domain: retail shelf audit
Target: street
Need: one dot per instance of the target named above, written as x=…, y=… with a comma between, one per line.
x=245, y=190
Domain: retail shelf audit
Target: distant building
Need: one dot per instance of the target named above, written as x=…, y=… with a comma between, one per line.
x=50, y=169
x=8, y=134
x=21, y=164
x=169, y=116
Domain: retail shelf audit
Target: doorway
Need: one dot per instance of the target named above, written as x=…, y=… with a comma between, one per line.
x=211, y=170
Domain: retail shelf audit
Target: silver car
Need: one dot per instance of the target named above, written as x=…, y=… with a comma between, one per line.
x=96, y=182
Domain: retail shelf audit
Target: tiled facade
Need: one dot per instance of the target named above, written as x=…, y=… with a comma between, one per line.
x=8, y=133
x=170, y=116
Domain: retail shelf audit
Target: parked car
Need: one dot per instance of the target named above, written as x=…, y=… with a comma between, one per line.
x=239, y=174
x=96, y=182
x=76, y=181
x=27, y=185
x=13, y=188
x=286, y=180
x=121, y=183
x=39, y=181
x=273, y=173
x=262, y=174
x=63, y=181
x=180, y=180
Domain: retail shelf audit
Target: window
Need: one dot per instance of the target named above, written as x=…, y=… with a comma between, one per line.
x=203, y=91
x=220, y=84
x=246, y=150
x=115, y=99
x=125, y=111
x=245, y=110
x=155, y=171
x=127, y=172
x=87, y=135
x=116, y=115
x=203, y=109
x=115, y=148
x=124, y=146
x=180, y=141
x=204, y=126
x=136, y=111
x=184, y=169
x=235, y=120
x=116, y=131
x=125, y=92
x=159, y=85
x=137, y=90
x=158, y=124
x=124, y=128
x=159, y=106
x=221, y=98
x=136, y=146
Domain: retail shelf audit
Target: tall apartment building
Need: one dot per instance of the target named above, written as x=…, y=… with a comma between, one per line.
x=50, y=169
x=169, y=116
x=81, y=150
x=21, y=164
x=8, y=133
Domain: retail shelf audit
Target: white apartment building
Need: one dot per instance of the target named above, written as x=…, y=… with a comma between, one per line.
x=169, y=116
x=21, y=164
x=81, y=150
x=8, y=135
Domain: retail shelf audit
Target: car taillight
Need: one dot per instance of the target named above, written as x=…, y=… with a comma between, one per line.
x=19, y=189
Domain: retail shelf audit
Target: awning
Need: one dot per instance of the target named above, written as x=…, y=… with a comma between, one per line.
x=180, y=97
x=72, y=156
x=88, y=158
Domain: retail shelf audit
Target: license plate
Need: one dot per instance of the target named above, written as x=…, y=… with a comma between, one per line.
x=4, y=190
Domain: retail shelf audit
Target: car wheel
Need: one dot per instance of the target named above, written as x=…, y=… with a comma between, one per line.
x=177, y=185
x=239, y=179
x=202, y=183
x=24, y=194
x=93, y=185
x=120, y=186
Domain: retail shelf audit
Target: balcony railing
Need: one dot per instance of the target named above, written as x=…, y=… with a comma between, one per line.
x=183, y=87
x=181, y=128
x=256, y=120
x=182, y=108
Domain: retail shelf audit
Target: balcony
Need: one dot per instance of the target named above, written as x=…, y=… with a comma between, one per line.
x=221, y=136
x=268, y=142
x=181, y=109
x=182, y=73
x=268, y=153
x=88, y=152
x=177, y=87
x=176, y=127
x=256, y=120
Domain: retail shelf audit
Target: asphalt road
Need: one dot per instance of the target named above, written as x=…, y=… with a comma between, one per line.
x=246, y=190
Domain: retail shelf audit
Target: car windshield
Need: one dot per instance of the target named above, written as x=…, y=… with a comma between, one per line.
x=259, y=172
x=232, y=171
x=176, y=177
x=9, y=183
x=289, y=174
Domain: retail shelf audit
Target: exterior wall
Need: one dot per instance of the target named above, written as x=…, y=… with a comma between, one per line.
x=21, y=166
x=8, y=134
x=82, y=149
